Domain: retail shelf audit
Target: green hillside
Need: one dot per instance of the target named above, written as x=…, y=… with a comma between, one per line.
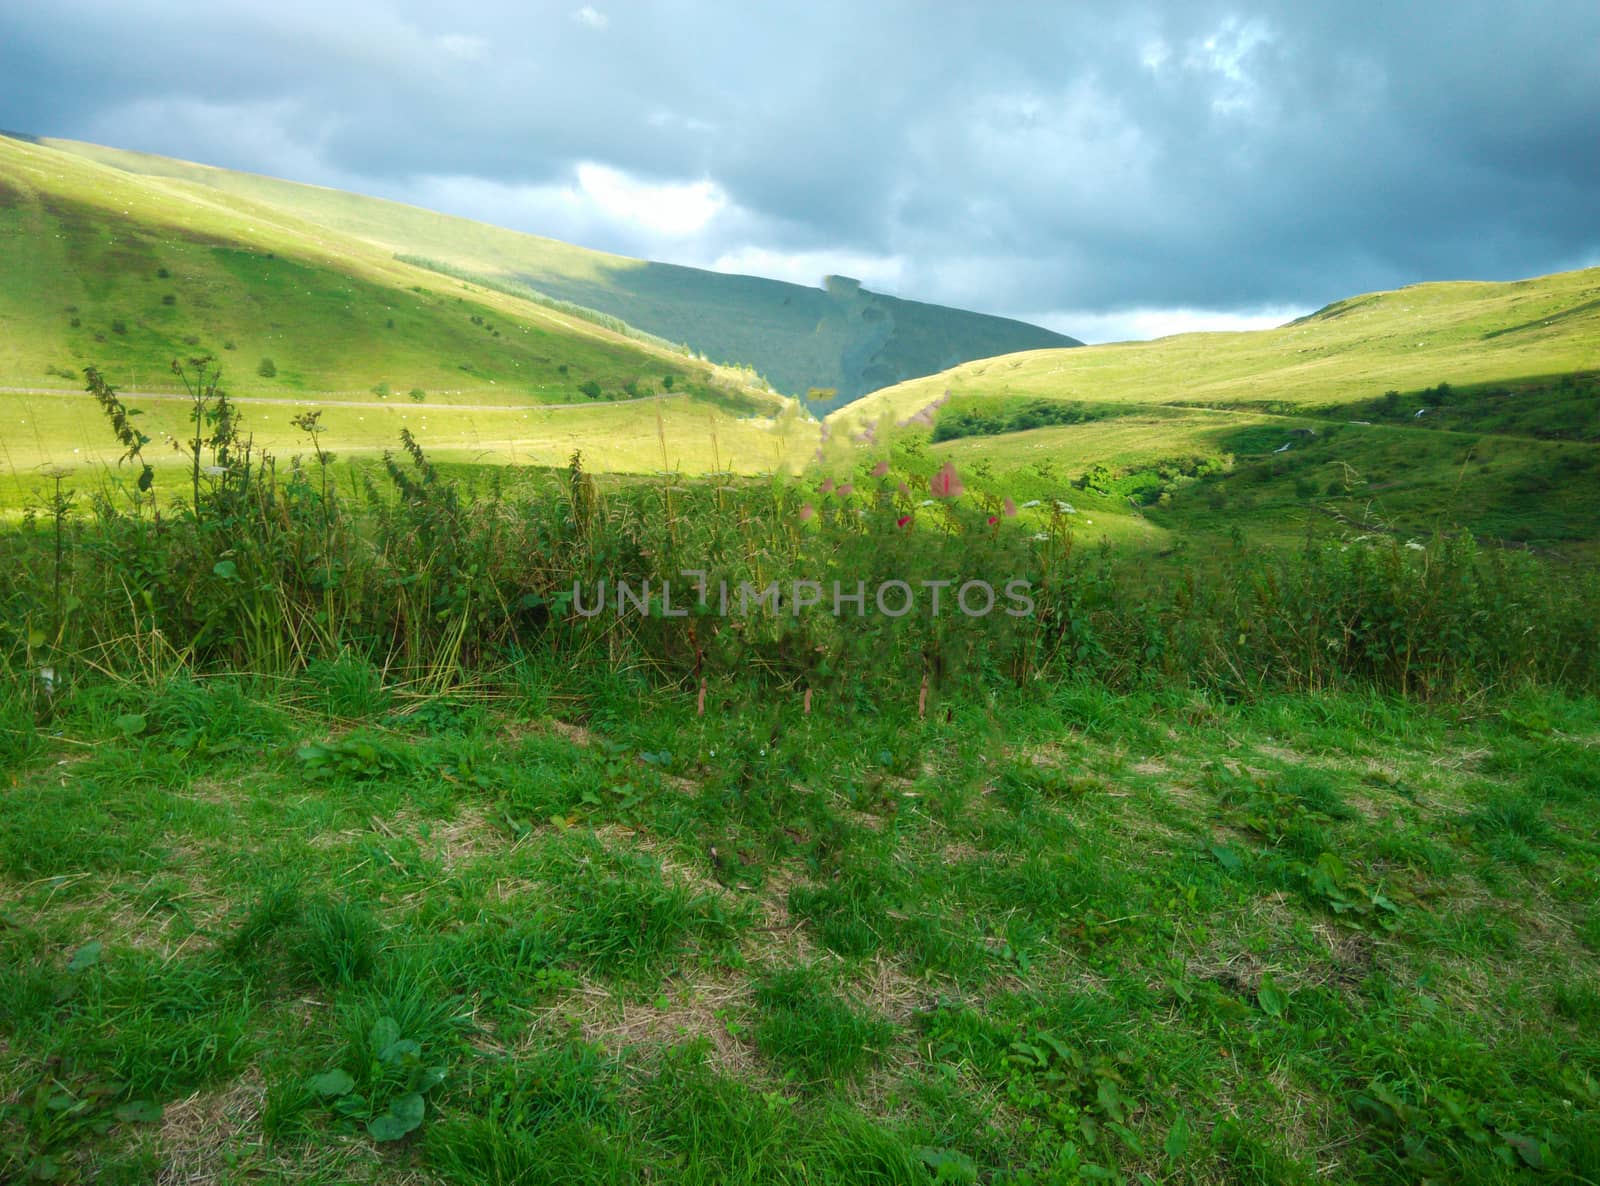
x=1438, y=405
x=128, y=272
x=841, y=338
x=104, y=268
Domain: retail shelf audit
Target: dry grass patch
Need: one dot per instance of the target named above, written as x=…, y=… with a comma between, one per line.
x=700, y=1009
x=1184, y=795
x=216, y=791
x=887, y=988
x=1306, y=1121
x=960, y=853
x=1282, y=753
x=167, y=914
x=201, y=1135
x=577, y=734
x=661, y=852
x=1352, y=954
x=1234, y=963
x=467, y=835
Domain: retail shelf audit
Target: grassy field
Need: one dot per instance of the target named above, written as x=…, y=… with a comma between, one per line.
x=322, y=931
x=1356, y=349
x=1392, y=477
x=124, y=273
x=48, y=432
x=841, y=338
x=342, y=843
x=309, y=279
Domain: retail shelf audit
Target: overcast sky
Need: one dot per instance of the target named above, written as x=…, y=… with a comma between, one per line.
x=1109, y=170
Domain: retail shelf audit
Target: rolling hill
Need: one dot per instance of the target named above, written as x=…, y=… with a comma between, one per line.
x=1441, y=404
x=102, y=267
x=1463, y=332
x=840, y=338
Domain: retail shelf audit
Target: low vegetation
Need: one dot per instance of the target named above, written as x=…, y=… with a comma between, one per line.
x=984, y=420
x=252, y=563
x=338, y=847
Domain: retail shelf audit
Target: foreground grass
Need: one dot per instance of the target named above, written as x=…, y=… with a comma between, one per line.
x=248, y=930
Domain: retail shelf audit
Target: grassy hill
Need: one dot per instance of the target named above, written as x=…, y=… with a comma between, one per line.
x=125, y=272
x=129, y=272
x=1436, y=405
x=1407, y=339
x=1469, y=404
x=841, y=338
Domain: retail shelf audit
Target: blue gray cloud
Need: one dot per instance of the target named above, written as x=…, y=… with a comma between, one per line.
x=1099, y=163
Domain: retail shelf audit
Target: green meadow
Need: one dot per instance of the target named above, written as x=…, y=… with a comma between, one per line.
x=343, y=838
x=1353, y=350
x=321, y=931
x=106, y=269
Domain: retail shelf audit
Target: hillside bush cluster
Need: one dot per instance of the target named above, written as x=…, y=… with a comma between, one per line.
x=1153, y=482
x=261, y=564
x=1039, y=413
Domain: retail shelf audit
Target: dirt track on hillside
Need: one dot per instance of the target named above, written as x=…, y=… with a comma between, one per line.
x=331, y=399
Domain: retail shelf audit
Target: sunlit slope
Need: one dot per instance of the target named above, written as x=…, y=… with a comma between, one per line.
x=1457, y=332
x=843, y=337
x=1438, y=407
x=100, y=266
x=40, y=434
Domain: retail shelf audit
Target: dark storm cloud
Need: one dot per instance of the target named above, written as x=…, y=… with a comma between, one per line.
x=1034, y=159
